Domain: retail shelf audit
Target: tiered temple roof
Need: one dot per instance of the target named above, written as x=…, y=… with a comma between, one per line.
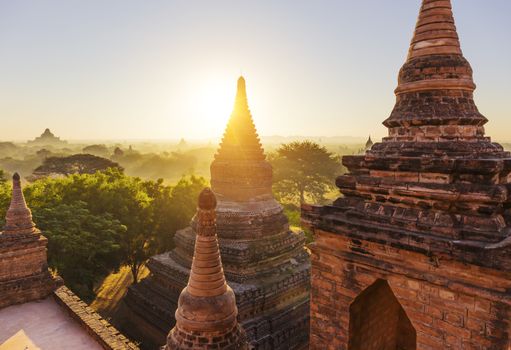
x=426, y=211
x=240, y=171
x=264, y=261
x=47, y=138
x=206, y=317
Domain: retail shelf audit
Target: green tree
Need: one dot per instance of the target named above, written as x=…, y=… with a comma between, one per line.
x=173, y=208
x=3, y=180
x=5, y=197
x=82, y=247
x=150, y=210
x=130, y=218
x=123, y=197
x=74, y=164
x=304, y=171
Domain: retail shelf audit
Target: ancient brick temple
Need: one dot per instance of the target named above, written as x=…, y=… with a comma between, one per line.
x=36, y=310
x=206, y=317
x=264, y=261
x=416, y=254
x=24, y=274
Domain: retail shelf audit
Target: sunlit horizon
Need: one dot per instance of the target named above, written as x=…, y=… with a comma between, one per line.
x=167, y=70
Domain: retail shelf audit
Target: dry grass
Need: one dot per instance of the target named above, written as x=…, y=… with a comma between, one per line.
x=112, y=290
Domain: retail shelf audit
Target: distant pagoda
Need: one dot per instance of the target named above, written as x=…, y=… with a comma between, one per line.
x=416, y=254
x=369, y=144
x=206, y=317
x=265, y=263
x=47, y=138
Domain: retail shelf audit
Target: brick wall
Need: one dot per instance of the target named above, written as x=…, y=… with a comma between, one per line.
x=24, y=274
x=445, y=313
x=104, y=333
x=21, y=256
x=378, y=322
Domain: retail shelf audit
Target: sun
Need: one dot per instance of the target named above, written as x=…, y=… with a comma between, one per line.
x=207, y=102
x=213, y=100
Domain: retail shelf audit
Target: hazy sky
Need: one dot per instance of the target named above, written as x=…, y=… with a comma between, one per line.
x=165, y=69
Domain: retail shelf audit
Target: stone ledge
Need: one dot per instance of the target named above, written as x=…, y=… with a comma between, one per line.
x=104, y=333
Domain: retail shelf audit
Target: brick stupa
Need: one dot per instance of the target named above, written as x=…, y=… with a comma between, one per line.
x=264, y=261
x=24, y=274
x=416, y=254
x=36, y=310
x=206, y=317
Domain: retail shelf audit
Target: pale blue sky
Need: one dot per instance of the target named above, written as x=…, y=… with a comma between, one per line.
x=165, y=69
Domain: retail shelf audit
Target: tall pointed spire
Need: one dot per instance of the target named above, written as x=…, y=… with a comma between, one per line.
x=435, y=32
x=19, y=216
x=206, y=317
x=240, y=139
x=240, y=170
x=435, y=91
x=241, y=101
x=207, y=276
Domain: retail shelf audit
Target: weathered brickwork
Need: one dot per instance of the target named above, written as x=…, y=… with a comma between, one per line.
x=24, y=274
x=377, y=321
x=444, y=301
x=206, y=317
x=210, y=340
x=416, y=253
x=98, y=328
x=265, y=263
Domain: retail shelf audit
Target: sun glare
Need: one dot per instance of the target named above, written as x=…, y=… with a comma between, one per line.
x=213, y=101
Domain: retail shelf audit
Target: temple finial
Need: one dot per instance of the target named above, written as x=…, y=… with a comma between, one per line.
x=435, y=32
x=207, y=199
x=241, y=101
x=207, y=313
x=241, y=83
x=19, y=217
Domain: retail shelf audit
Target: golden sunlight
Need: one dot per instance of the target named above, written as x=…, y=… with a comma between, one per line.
x=212, y=100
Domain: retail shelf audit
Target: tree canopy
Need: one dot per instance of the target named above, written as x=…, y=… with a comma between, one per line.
x=104, y=220
x=82, y=247
x=74, y=164
x=304, y=171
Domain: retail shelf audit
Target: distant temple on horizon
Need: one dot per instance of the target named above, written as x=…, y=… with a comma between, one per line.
x=47, y=138
x=369, y=144
x=416, y=253
x=265, y=263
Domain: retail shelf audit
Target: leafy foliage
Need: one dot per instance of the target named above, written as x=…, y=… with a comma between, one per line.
x=75, y=164
x=304, y=171
x=83, y=247
x=293, y=214
x=127, y=218
x=5, y=197
x=173, y=207
x=3, y=180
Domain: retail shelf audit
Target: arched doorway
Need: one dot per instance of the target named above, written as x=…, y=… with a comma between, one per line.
x=378, y=321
